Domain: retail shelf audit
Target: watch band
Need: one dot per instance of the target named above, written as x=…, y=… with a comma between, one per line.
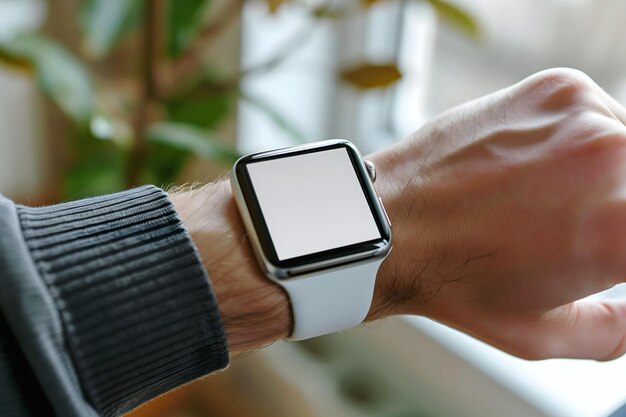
x=334, y=300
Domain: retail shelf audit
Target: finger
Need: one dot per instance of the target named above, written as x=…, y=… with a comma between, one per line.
x=613, y=105
x=586, y=330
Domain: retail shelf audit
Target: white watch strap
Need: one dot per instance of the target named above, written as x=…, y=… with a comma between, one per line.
x=331, y=300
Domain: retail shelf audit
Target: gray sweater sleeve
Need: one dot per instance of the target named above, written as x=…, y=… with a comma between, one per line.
x=107, y=300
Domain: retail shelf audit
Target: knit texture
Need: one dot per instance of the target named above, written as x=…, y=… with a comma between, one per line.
x=135, y=302
x=20, y=394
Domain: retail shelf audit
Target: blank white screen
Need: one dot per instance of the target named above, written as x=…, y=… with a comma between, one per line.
x=312, y=202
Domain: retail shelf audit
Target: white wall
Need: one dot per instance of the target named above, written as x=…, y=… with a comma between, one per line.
x=22, y=164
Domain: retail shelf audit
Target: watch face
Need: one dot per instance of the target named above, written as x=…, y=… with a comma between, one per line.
x=311, y=205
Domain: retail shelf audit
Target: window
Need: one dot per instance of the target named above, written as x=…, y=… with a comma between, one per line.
x=443, y=68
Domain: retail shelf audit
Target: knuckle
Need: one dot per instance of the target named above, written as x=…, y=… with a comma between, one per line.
x=559, y=88
x=618, y=351
x=564, y=77
x=610, y=142
x=593, y=133
x=615, y=318
x=566, y=74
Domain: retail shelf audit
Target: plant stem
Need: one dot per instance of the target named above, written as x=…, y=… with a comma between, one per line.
x=286, y=50
x=189, y=63
x=139, y=149
x=231, y=84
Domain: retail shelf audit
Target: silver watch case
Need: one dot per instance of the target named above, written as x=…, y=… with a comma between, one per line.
x=277, y=273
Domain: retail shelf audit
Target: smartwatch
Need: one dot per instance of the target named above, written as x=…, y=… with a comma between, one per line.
x=317, y=229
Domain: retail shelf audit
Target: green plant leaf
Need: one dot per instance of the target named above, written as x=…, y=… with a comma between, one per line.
x=193, y=140
x=275, y=116
x=332, y=13
x=96, y=167
x=93, y=177
x=456, y=17
x=104, y=126
x=60, y=75
x=449, y=12
x=13, y=62
x=207, y=111
x=274, y=5
x=368, y=75
x=104, y=22
x=184, y=20
x=164, y=164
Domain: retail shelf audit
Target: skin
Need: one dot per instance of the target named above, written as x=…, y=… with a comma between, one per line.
x=505, y=211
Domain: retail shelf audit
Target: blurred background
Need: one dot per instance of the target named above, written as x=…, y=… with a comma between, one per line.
x=102, y=95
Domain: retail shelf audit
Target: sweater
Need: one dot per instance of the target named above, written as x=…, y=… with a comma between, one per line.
x=104, y=305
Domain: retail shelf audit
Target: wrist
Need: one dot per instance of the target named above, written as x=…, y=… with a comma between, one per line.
x=399, y=289
x=432, y=248
x=384, y=300
x=254, y=310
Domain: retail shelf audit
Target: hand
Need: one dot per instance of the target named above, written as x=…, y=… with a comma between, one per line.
x=508, y=209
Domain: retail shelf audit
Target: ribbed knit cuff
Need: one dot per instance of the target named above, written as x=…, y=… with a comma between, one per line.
x=136, y=304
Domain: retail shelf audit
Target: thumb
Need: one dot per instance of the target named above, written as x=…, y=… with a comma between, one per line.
x=586, y=330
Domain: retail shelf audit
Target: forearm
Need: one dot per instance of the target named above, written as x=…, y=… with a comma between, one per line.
x=254, y=310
